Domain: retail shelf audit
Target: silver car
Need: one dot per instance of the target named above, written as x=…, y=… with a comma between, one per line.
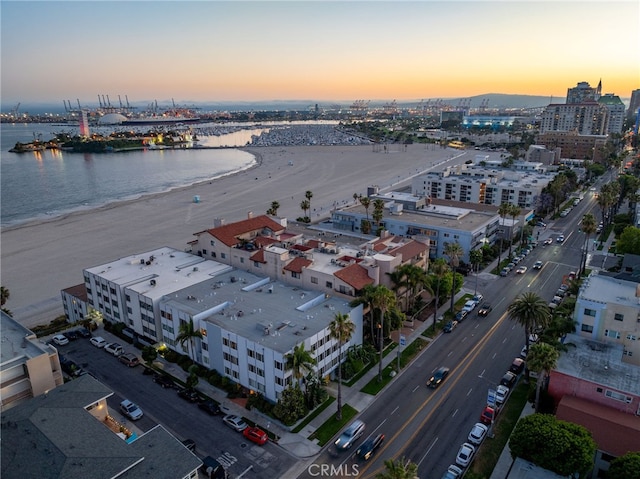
x=350, y=435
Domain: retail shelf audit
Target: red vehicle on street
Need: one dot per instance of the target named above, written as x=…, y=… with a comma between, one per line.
x=255, y=434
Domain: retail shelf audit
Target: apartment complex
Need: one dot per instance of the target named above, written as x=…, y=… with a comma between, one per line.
x=583, y=92
x=28, y=368
x=588, y=118
x=571, y=144
x=70, y=433
x=485, y=184
x=616, y=108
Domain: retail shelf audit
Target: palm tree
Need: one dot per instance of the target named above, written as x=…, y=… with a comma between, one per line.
x=341, y=328
x=400, y=469
x=439, y=269
x=366, y=299
x=308, y=195
x=355, y=198
x=588, y=226
x=541, y=358
x=378, y=211
x=503, y=211
x=475, y=258
x=454, y=251
x=304, y=206
x=400, y=285
x=513, y=212
x=366, y=202
x=300, y=361
x=187, y=334
x=531, y=312
x=4, y=295
x=383, y=299
x=273, y=211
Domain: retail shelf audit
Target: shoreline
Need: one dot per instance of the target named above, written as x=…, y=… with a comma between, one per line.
x=42, y=257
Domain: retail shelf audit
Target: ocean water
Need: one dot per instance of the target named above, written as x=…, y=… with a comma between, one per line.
x=52, y=183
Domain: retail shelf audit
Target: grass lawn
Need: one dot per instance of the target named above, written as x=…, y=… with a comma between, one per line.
x=314, y=414
x=490, y=450
x=331, y=427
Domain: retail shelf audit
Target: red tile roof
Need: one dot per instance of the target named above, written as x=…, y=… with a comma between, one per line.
x=264, y=241
x=258, y=256
x=229, y=234
x=301, y=247
x=297, y=265
x=411, y=249
x=614, y=432
x=78, y=291
x=355, y=276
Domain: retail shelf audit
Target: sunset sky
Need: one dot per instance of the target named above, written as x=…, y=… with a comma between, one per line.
x=320, y=51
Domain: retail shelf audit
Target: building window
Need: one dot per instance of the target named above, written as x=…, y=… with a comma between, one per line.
x=618, y=317
x=205, y=346
x=587, y=328
x=329, y=284
x=213, y=243
x=626, y=352
x=242, y=260
x=251, y=353
x=314, y=280
x=589, y=312
x=631, y=337
x=618, y=396
x=278, y=365
x=295, y=275
x=223, y=255
x=611, y=334
x=256, y=264
x=204, y=252
x=260, y=357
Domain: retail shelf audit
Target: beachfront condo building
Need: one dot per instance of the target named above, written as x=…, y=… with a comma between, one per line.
x=485, y=183
x=588, y=118
x=29, y=368
x=249, y=322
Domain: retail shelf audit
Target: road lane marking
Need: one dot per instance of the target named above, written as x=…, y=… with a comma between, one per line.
x=397, y=407
x=416, y=388
x=428, y=451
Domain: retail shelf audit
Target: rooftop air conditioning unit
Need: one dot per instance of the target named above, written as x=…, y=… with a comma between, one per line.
x=152, y=282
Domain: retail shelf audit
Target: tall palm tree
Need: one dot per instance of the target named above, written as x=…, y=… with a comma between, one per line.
x=541, y=359
x=439, y=269
x=300, y=361
x=588, y=226
x=454, y=251
x=514, y=211
x=308, y=195
x=531, y=312
x=503, y=211
x=400, y=286
x=366, y=202
x=187, y=334
x=475, y=258
x=383, y=300
x=378, y=211
x=400, y=469
x=341, y=328
x=366, y=299
x=273, y=210
x=304, y=206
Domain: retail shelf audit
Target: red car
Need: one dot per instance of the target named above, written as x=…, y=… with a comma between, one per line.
x=488, y=415
x=255, y=434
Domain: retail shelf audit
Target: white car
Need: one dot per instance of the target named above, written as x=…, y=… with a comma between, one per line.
x=478, y=433
x=469, y=306
x=465, y=454
x=453, y=472
x=501, y=394
x=60, y=340
x=98, y=342
x=114, y=348
x=235, y=422
x=131, y=410
x=521, y=270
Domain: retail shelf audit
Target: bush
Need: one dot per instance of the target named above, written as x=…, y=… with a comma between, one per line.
x=214, y=378
x=171, y=356
x=184, y=362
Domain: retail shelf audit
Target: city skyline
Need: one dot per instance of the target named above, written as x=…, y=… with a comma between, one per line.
x=321, y=51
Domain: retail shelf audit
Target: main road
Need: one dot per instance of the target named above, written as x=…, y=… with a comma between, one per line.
x=428, y=426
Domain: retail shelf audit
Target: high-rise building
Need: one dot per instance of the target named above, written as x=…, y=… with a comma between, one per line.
x=583, y=92
x=589, y=118
x=616, y=112
x=83, y=123
x=634, y=104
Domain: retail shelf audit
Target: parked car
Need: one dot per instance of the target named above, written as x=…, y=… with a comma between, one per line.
x=501, y=394
x=350, y=435
x=114, y=348
x=509, y=379
x=235, y=422
x=561, y=293
x=542, y=224
x=131, y=410
x=523, y=352
x=460, y=315
x=369, y=446
x=437, y=378
x=521, y=270
x=98, y=342
x=505, y=271
x=129, y=359
x=469, y=306
x=70, y=367
x=465, y=454
x=210, y=407
x=190, y=395
x=84, y=332
x=189, y=444
x=60, y=340
x=538, y=265
x=163, y=380
x=477, y=433
x=71, y=335
x=517, y=259
x=450, y=326
x=255, y=434
x=453, y=472
x=478, y=298
x=488, y=415
x=564, y=287
x=212, y=469
x=485, y=309
x=517, y=366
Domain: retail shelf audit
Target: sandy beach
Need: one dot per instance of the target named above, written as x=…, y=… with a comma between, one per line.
x=41, y=258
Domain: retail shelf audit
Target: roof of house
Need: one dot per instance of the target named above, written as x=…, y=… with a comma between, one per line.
x=78, y=291
x=614, y=432
x=354, y=275
x=229, y=234
x=296, y=265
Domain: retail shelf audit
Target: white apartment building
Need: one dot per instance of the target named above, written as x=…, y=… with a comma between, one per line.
x=608, y=310
x=28, y=367
x=589, y=118
x=251, y=323
x=486, y=184
x=616, y=108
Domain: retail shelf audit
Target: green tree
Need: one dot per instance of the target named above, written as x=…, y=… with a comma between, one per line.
x=588, y=227
x=629, y=241
x=503, y=211
x=149, y=354
x=383, y=300
x=378, y=212
x=454, y=251
x=531, y=312
x=192, y=379
x=559, y=446
x=514, y=211
x=304, y=206
x=366, y=300
x=291, y=405
x=273, y=210
x=366, y=202
x=439, y=269
x=625, y=467
x=541, y=359
x=399, y=469
x=475, y=258
x=300, y=361
x=308, y=195
x=188, y=334
x=4, y=297
x=341, y=329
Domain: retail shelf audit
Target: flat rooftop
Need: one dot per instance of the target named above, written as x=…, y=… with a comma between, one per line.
x=607, y=289
x=266, y=312
x=159, y=272
x=19, y=343
x=599, y=362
